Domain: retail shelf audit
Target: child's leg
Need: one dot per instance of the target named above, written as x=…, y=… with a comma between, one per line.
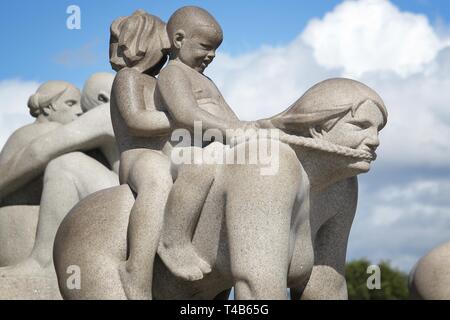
x=150, y=178
x=183, y=208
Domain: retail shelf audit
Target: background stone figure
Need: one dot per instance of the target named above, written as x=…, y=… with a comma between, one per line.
x=261, y=234
x=55, y=103
x=68, y=176
x=430, y=277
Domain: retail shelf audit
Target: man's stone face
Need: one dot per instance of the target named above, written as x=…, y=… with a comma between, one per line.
x=66, y=108
x=358, y=131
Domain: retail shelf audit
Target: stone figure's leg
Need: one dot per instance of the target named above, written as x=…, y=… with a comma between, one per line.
x=17, y=233
x=258, y=216
x=327, y=280
x=91, y=243
x=67, y=179
x=150, y=179
x=183, y=209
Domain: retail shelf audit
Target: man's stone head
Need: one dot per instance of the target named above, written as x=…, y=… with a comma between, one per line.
x=96, y=90
x=57, y=101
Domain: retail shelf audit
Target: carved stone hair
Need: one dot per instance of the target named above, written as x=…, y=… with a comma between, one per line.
x=46, y=95
x=325, y=103
x=136, y=37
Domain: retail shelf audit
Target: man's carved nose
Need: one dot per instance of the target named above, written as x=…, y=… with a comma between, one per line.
x=373, y=142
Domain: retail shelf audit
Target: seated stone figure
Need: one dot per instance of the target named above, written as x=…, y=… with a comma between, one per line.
x=259, y=233
x=68, y=176
x=55, y=103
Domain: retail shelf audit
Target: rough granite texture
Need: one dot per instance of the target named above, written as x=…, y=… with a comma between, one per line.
x=193, y=231
x=430, y=277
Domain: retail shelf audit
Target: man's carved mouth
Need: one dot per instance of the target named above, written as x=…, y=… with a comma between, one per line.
x=370, y=151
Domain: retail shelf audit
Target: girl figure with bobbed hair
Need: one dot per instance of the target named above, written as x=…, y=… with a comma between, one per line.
x=144, y=112
x=139, y=47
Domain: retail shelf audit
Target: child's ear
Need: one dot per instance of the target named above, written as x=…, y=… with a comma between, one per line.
x=316, y=132
x=179, y=38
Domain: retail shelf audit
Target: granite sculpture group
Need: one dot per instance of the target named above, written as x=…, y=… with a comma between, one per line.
x=94, y=187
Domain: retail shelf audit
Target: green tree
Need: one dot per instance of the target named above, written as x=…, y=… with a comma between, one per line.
x=394, y=283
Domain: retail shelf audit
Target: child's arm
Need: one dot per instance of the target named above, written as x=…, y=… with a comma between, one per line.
x=128, y=90
x=177, y=94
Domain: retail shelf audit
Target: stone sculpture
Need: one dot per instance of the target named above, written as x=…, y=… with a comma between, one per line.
x=139, y=48
x=258, y=233
x=55, y=103
x=430, y=277
x=76, y=156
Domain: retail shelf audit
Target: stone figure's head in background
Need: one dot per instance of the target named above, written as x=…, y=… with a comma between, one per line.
x=342, y=116
x=57, y=101
x=96, y=90
x=194, y=35
x=139, y=41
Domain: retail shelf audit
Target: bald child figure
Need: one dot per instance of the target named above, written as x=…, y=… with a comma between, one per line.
x=190, y=96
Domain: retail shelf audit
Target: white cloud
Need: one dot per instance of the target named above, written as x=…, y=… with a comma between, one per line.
x=14, y=95
x=373, y=35
x=266, y=81
x=402, y=222
x=403, y=58
x=419, y=114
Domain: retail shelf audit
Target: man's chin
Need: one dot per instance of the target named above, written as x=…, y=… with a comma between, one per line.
x=360, y=166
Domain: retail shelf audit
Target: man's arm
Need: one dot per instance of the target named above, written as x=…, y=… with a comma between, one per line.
x=128, y=91
x=177, y=94
x=87, y=132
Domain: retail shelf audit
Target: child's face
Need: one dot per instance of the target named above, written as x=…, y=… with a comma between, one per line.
x=199, y=50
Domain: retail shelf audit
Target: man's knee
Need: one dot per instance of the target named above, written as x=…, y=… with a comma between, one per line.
x=66, y=163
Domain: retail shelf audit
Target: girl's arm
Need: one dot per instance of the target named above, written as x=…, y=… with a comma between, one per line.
x=128, y=92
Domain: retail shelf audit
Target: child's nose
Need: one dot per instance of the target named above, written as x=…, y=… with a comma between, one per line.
x=212, y=54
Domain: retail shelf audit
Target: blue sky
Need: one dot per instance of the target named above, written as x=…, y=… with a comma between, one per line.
x=273, y=52
x=37, y=37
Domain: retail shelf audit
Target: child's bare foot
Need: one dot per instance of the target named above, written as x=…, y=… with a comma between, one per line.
x=134, y=288
x=183, y=261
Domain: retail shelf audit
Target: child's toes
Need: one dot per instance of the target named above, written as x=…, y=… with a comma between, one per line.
x=204, y=266
x=194, y=274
